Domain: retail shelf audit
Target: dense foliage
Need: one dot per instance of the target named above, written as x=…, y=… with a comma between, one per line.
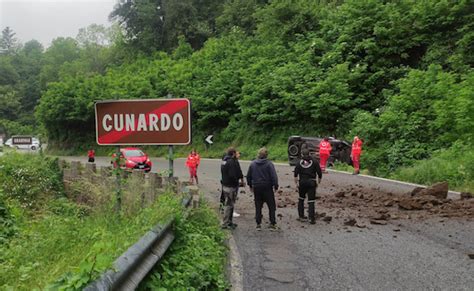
x=30, y=180
x=396, y=73
x=27, y=69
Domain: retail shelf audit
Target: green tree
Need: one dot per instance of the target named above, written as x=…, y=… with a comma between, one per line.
x=9, y=103
x=239, y=13
x=62, y=50
x=152, y=25
x=8, y=42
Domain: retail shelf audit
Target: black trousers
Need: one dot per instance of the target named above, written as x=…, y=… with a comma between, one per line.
x=307, y=188
x=264, y=194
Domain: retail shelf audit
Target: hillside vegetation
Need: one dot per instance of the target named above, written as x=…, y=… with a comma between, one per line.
x=396, y=73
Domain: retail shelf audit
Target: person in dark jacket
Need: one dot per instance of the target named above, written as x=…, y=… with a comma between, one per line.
x=263, y=181
x=307, y=169
x=231, y=174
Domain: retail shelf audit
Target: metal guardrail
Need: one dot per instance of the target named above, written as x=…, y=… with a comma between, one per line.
x=133, y=265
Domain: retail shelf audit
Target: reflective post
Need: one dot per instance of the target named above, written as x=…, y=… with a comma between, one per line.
x=170, y=158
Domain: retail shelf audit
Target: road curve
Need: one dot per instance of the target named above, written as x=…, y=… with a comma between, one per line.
x=406, y=254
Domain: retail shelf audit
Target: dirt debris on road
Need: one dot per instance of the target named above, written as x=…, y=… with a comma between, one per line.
x=356, y=204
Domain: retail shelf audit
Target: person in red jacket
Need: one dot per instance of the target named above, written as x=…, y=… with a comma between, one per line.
x=192, y=163
x=91, y=155
x=324, y=152
x=355, y=154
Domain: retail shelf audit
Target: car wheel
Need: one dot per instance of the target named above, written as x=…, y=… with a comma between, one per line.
x=293, y=150
x=33, y=148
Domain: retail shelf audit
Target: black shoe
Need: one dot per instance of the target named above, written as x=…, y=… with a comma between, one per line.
x=259, y=227
x=312, y=222
x=232, y=225
x=302, y=219
x=274, y=227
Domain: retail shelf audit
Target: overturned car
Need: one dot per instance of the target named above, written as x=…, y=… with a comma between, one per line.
x=341, y=150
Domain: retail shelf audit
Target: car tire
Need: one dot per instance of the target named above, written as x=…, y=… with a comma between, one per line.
x=33, y=148
x=293, y=150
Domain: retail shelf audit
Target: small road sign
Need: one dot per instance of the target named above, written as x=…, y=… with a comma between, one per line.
x=209, y=139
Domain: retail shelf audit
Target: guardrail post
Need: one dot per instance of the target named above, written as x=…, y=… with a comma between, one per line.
x=194, y=191
x=67, y=174
x=138, y=176
x=62, y=164
x=91, y=169
x=154, y=182
x=75, y=169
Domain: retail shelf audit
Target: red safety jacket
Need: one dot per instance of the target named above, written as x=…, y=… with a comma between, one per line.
x=91, y=153
x=325, y=147
x=193, y=160
x=357, y=147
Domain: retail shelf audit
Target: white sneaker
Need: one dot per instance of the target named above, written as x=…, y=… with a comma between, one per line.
x=235, y=214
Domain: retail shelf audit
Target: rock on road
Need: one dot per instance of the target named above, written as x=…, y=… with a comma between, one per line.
x=408, y=253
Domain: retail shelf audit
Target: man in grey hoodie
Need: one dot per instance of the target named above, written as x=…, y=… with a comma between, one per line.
x=263, y=181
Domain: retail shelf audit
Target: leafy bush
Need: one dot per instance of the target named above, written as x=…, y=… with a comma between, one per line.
x=7, y=220
x=197, y=257
x=30, y=179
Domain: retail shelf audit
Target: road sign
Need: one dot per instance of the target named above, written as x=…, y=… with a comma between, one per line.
x=143, y=122
x=209, y=139
x=22, y=140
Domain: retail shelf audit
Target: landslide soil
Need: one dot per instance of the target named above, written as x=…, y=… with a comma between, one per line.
x=359, y=206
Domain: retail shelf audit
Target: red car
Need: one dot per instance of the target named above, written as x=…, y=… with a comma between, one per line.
x=133, y=158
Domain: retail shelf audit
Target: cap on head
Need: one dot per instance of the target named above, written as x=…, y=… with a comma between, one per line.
x=263, y=153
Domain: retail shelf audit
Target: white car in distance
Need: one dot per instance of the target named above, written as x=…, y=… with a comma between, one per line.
x=35, y=144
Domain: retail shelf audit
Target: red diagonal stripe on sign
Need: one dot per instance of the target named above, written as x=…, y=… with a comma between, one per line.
x=169, y=108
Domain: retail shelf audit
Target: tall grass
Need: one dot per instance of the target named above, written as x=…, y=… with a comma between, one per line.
x=455, y=165
x=197, y=258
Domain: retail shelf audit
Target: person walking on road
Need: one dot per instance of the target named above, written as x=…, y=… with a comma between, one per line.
x=231, y=174
x=91, y=155
x=355, y=154
x=192, y=163
x=241, y=184
x=306, y=170
x=324, y=152
x=263, y=181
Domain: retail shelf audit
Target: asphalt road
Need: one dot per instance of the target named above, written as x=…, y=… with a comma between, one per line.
x=406, y=254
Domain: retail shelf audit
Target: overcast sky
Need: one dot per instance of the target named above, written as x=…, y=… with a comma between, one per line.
x=45, y=20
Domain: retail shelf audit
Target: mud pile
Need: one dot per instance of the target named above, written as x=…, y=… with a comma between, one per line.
x=378, y=207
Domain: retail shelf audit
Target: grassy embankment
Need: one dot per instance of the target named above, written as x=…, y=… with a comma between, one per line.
x=197, y=258
x=51, y=240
